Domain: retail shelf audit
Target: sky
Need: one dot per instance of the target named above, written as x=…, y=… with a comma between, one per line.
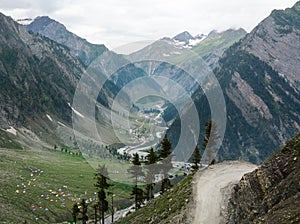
x=118, y=22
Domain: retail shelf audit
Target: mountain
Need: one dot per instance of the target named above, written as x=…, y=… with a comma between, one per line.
x=173, y=51
x=271, y=193
x=56, y=31
x=276, y=41
x=261, y=93
x=37, y=75
x=38, y=81
x=213, y=46
x=183, y=37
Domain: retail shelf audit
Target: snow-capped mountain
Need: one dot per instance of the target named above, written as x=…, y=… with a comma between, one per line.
x=25, y=21
x=185, y=39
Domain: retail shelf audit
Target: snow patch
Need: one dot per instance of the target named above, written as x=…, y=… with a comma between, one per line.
x=61, y=124
x=194, y=42
x=12, y=130
x=25, y=21
x=49, y=117
x=75, y=111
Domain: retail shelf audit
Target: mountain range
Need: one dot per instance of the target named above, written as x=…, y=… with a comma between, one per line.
x=259, y=77
x=44, y=68
x=258, y=73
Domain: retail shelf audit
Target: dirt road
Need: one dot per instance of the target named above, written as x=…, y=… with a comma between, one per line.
x=213, y=189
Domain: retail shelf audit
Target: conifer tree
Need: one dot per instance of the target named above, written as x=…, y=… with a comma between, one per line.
x=75, y=212
x=151, y=171
x=196, y=158
x=136, y=171
x=166, y=162
x=84, y=207
x=102, y=185
x=210, y=140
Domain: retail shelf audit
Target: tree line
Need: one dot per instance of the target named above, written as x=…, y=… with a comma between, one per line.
x=159, y=162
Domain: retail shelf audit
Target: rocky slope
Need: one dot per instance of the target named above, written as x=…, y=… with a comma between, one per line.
x=270, y=194
x=56, y=31
x=262, y=100
x=37, y=77
x=214, y=45
x=275, y=41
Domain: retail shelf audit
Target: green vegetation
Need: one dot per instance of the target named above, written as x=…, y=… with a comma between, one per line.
x=8, y=141
x=196, y=158
x=136, y=171
x=102, y=185
x=164, y=208
x=166, y=165
x=44, y=184
x=293, y=144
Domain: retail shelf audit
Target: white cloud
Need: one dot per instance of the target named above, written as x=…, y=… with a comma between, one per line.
x=116, y=22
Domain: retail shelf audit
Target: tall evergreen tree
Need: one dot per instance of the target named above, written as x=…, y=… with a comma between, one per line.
x=102, y=185
x=84, y=207
x=136, y=171
x=196, y=158
x=95, y=206
x=75, y=212
x=166, y=162
x=210, y=140
x=151, y=171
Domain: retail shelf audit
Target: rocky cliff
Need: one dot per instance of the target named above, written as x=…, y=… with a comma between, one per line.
x=56, y=31
x=38, y=76
x=270, y=194
x=258, y=76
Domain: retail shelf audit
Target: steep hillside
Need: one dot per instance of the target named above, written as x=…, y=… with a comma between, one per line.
x=214, y=45
x=37, y=75
x=171, y=207
x=275, y=41
x=262, y=104
x=56, y=31
x=270, y=194
x=38, y=79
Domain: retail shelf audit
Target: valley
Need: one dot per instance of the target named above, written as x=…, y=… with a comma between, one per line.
x=187, y=129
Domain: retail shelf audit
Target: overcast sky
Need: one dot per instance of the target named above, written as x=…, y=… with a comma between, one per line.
x=117, y=22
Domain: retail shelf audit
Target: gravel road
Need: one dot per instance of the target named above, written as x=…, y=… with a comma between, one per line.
x=213, y=188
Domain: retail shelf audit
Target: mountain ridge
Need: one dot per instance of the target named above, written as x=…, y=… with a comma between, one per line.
x=56, y=31
x=261, y=103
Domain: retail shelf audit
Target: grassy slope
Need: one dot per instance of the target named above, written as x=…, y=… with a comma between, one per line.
x=166, y=208
x=8, y=140
x=59, y=170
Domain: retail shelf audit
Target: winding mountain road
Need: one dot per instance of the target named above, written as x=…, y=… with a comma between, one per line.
x=213, y=189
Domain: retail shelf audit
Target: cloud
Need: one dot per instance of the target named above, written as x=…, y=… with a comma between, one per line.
x=116, y=22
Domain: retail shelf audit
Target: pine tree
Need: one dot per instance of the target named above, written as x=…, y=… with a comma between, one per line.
x=151, y=171
x=95, y=206
x=75, y=212
x=210, y=140
x=84, y=207
x=196, y=158
x=166, y=162
x=102, y=185
x=136, y=171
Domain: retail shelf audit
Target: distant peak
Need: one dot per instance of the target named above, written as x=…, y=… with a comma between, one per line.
x=44, y=19
x=183, y=37
x=40, y=22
